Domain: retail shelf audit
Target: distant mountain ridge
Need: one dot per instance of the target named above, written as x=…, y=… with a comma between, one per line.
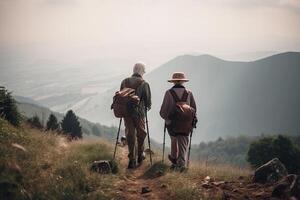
x=235, y=98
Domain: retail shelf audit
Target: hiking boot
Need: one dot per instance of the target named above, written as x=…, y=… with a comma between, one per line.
x=141, y=158
x=131, y=164
x=173, y=160
x=173, y=167
x=182, y=169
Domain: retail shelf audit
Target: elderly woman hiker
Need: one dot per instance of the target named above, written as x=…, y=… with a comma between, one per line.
x=179, y=112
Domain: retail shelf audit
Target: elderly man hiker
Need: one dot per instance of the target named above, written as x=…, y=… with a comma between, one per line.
x=135, y=122
x=176, y=100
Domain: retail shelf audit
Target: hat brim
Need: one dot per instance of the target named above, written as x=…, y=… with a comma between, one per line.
x=175, y=80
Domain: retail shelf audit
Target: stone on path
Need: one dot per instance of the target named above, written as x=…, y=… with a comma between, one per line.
x=145, y=190
x=101, y=166
x=270, y=172
x=288, y=187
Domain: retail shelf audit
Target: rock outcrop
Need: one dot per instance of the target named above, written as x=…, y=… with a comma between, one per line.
x=102, y=167
x=271, y=172
x=288, y=188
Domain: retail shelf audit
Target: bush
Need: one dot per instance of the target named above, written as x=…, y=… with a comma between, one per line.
x=8, y=107
x=267, y=148
x=52, y=123
x=70, y=125
x=48, y=170
x=35, y=122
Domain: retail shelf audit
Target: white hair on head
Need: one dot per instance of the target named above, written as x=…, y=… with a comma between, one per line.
x=139, y=68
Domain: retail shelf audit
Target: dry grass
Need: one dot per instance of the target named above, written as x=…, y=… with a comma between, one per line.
x=187, y=185
x=43, y=165
x=223, y=172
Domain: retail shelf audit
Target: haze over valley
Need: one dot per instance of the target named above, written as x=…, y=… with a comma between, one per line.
x=238, y=55
x=233, y=98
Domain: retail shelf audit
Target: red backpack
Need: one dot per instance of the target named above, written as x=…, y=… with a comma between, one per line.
x=183, y=115
x=125, y=101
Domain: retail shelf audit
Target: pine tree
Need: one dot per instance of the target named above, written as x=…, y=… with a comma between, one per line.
x=8, y=107
x=35, y=122
x=52, y=123
x=70, y=125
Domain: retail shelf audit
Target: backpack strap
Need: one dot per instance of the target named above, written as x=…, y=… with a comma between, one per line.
x=138, y=84
x=175, y=97
x=184, y=96
x=134, y=86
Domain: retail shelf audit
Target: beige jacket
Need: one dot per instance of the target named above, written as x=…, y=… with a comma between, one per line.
x=168, y=104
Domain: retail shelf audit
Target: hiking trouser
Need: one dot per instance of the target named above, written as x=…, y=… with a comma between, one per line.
x=135, y=135
x=179, y=146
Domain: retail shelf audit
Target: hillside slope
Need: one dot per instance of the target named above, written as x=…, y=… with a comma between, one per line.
x=235, y=98
x=43, y=165
x=89, y=128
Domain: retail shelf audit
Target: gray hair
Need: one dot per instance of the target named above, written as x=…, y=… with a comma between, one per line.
x=139, y=68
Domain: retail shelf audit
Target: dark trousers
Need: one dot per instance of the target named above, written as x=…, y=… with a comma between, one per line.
x=135, y=135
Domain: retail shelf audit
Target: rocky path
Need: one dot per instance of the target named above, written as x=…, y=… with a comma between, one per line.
x=133, y=181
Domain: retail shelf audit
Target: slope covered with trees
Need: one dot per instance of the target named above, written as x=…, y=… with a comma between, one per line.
x=234, y=98
x=88, y=128
x=244, y=151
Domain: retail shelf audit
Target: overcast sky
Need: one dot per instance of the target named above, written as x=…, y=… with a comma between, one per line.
x=149, y=30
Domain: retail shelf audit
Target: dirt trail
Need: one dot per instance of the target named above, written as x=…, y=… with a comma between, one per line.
x=133, y=180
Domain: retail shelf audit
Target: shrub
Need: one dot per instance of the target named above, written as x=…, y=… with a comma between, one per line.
x=267, y=148
x=52, y=123
x=35, y=122
x=8, y=107
x=70, y=125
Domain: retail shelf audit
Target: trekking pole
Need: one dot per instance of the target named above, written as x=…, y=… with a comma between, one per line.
x=117, y=138
x=148, y=136
x=188, y=163
x=164, y=142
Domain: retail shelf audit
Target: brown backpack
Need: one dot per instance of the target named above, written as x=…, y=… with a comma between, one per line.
x=125, y=101
x=183, y=116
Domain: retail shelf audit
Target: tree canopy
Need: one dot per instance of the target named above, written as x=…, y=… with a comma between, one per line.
x=52, y=123
x=281, y=147
x=8, y=107
x=35, y=122
x=71, y=126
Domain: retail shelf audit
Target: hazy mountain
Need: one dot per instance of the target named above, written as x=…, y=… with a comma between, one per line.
x=89, y=128
x=248, y=56
x=61, y=85
x=235, y=98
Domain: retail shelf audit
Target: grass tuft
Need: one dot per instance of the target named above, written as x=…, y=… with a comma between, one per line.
x=44, y=165
x=156, y=170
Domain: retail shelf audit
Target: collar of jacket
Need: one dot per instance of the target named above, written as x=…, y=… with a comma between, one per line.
x=136, y=75
x=178, y=86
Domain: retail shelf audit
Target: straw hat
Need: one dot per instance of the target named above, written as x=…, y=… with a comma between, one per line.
x=178, y=76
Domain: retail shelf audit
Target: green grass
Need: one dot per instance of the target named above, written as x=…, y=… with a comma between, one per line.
x=187, y=185
x=156, y=170
x=50, y=167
